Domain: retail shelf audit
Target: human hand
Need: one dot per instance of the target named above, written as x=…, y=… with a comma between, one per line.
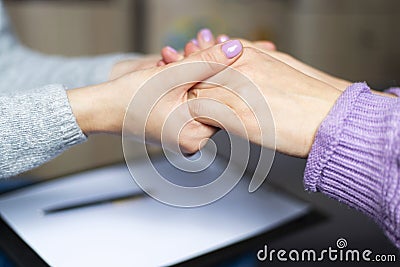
x=338, y=83
x=268, y=47
x=102, y=108
x=129, y=65
x=298, y=102
x=310, y=97
x=206, y=39
x=288, y=59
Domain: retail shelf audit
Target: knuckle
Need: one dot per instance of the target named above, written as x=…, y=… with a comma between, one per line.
x=211, y=61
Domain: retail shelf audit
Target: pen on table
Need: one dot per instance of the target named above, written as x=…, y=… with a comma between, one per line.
x=94, y=202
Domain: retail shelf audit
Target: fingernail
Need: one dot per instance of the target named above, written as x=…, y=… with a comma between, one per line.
x=222, y=39
x=194, y=41
x=232, y=48
x=172, y=50
x=206, y=35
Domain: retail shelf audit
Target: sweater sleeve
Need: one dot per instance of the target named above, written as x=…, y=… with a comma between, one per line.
x=35, y=127
x=393, y=90
x=37, y=124
x=23, y=68
x=355, y=156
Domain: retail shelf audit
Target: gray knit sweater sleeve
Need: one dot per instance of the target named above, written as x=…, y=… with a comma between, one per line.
x=36, y=120
x=35, y=127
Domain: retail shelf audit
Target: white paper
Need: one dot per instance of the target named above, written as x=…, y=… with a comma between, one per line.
x=142, y=232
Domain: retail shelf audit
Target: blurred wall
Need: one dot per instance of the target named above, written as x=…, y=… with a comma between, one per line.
x=173, y=22
x=358, y=40
x=75, y=27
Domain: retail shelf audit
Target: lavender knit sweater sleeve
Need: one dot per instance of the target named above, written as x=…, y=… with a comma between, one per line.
x=355, y=156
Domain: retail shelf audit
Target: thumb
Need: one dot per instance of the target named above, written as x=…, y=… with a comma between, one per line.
x=205, y=63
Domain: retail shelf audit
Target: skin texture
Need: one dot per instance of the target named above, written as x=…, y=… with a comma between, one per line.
x=298, y=102
x=269, y=48
x=284, y=82
x=101, y=108
x=299, y=97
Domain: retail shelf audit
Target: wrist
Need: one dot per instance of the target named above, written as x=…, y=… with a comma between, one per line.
x=92, y=108
x=295, y=133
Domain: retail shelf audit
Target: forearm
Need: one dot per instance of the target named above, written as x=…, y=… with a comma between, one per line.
x=96, y=110
x=35, y=127
x=354, y=157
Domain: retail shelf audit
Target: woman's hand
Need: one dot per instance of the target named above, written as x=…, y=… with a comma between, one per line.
x=267, y=47
x=205, y=39
x=298, y=102
x=298, y=99
x=103, y=107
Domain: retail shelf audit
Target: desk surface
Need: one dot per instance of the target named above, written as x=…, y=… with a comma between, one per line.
x=131, y=232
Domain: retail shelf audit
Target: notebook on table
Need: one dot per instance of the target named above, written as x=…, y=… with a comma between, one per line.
x=141, y=231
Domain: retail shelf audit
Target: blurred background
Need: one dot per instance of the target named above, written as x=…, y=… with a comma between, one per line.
x=357, y=40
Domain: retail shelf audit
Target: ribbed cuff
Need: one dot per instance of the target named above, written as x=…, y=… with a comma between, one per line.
x=64, y=120
x=352, y=156
x=37, y=125
x=56, y=128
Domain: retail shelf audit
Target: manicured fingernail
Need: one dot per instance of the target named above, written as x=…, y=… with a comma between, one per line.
x=172, y=50
x=222, y=39
x=232, y=48
x=194, y=41
x=206, y=35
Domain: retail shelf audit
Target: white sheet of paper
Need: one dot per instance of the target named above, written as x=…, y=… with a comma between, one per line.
x=141, y=232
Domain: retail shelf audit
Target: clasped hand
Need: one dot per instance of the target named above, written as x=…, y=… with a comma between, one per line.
x=297, y=99
x=211, y=96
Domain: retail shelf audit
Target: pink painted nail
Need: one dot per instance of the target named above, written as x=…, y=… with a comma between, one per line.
x=232, y=48
x=206, y=35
